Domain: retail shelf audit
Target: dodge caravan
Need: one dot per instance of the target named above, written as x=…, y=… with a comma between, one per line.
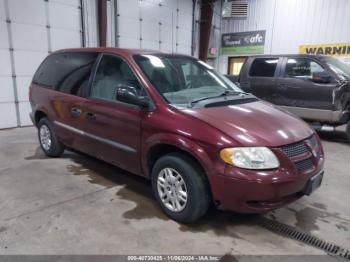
x=174, y=120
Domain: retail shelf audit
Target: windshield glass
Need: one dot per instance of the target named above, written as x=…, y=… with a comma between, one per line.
x=338, y=67
x=181, y=79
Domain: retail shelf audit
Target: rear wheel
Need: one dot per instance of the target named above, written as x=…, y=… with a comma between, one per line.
x=180, y=187
x=48, y=139
x=348, y=131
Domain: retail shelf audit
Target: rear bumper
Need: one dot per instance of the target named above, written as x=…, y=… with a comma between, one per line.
x=267, y=191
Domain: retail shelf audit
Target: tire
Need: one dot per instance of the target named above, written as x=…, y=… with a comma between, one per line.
x=48, y=139
x=190, y=179
x=348, y=131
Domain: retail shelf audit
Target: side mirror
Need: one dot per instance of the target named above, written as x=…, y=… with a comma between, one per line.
x=128, y=94
x=321, y=77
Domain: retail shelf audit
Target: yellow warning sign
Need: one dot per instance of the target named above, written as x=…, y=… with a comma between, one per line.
x=342, y=49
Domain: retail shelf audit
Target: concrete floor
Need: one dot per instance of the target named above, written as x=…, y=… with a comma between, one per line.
x=78, y=205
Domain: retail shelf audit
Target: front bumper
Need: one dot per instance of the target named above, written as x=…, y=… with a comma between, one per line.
x=254, y=191
x=256, y=196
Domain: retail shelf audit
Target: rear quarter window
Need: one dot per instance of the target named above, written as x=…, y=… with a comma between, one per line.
x=263, y=67
x=65, y=72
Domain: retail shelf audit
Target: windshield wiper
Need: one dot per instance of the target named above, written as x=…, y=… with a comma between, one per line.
x=225, y=93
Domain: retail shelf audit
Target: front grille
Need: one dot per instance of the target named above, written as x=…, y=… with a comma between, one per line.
x=295, y=149
x=300, y=148
x=304, y=165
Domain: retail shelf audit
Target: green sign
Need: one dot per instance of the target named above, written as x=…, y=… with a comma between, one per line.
x=242, y=50
x=243, y=43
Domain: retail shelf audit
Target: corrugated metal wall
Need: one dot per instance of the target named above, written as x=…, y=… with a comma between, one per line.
x=291, y=23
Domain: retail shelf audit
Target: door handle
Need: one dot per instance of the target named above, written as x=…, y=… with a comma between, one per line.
x=90, y=116
x=75, y=112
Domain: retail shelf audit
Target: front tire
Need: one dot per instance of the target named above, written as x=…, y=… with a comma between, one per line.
x=48, y=139
x=180, y=187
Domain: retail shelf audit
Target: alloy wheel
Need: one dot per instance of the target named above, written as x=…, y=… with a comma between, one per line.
x=45, y=137
x=172, y=189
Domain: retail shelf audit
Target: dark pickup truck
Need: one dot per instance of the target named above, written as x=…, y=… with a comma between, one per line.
x=314, y=87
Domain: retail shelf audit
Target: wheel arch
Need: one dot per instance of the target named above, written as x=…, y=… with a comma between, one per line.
x=159, y=150
x=39, y=114
x=165, y=143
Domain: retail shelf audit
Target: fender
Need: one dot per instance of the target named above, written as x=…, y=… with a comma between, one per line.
x=34, y=112
x=181, y=142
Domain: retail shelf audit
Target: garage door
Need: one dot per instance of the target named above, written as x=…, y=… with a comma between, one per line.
x=153, y=24
x=29, y=30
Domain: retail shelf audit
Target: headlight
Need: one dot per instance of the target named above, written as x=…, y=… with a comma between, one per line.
x=250, y=157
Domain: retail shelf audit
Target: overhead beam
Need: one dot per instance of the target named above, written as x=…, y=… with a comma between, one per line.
x=206, y=17
x=102, y=22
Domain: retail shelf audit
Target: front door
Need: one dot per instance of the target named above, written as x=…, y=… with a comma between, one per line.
x=298, y=89
x=112, y=127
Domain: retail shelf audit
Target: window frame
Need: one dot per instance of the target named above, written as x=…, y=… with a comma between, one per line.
x=276, y=73
x=285, y=62
x=86, y=88
x=37, y=70
x=117, y=102
x=164, y=99
x=55, y=87
x=321, y=63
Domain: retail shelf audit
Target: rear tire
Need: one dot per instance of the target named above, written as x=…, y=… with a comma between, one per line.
x=48, y=139
x=180, y=187
x=348, y=131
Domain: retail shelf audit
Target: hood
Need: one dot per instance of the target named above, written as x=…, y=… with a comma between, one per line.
x=255, y=124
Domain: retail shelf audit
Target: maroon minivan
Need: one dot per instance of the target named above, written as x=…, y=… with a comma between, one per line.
x=175, y=120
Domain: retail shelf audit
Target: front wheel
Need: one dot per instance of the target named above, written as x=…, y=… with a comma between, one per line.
x=48, y=139
x=180, y=187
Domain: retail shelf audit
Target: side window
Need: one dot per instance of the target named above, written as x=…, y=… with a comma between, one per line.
x=302, y=68
x=112, y=73
x=66, y=72
x=263, y=67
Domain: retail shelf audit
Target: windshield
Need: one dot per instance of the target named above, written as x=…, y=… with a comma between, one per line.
x=182, y=80
x=338, y=67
